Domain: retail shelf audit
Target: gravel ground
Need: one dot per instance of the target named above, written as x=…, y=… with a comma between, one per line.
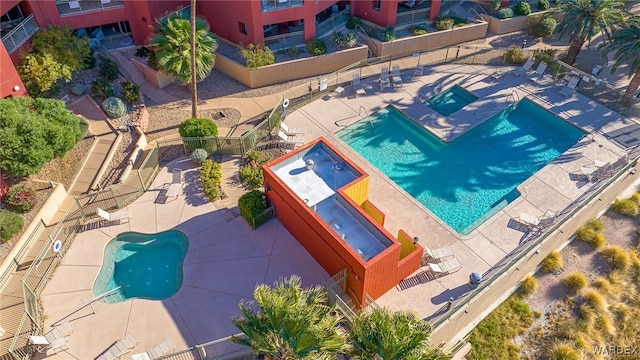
x=165, y=121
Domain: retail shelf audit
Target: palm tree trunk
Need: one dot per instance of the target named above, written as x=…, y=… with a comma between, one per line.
x=633, y=86
x=194, y=88
x=574, y=49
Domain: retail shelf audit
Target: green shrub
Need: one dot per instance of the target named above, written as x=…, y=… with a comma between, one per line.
x=514, y=55
x=130, y=92
x=505, y=13
x=345, y=41
x=143, y=52
x=83, y=125
x=40, y=73
x=387, y=34
x=101, y=88
x=198, y=127
x=152, y=60
x=21, y=198
x=199, y=155
x=443, y=23
x=257, y=55
x=418, y=30
x=108, y=69
x=253, y=156
x=251, y=176
x=616, y=256
x=90, y=61
x=543, y=26
x=543, y=5
x=528, y=286
x=552, y=263
x=523, y=8
x=211, y=177
x=114, y=107
x=543, y=55
x=10, y=224
x=77, y=88
x=626, y=207
x=575, y=281
x=317, y=47
x=292, y=51
x=251, y=205
x=563, y=351
x=353, y=22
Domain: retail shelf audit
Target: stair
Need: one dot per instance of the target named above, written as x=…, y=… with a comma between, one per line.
x=130, y=70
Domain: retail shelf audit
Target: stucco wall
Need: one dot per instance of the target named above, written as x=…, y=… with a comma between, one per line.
x=516, y=23
x=154, y=77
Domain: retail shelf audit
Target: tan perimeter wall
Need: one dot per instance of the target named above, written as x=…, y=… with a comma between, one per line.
x=428, y=41
x=290, y=70
x=156, y=78
x=516, y=23
x=467, y=317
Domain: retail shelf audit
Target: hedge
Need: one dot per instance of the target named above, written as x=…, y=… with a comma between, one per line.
x=251, y=205
x=211, y=177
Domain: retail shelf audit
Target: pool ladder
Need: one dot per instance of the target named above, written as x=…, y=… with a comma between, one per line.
x=366, y=112
x=515, y=98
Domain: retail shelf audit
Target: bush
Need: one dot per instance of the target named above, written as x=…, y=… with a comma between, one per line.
x=543, y=4
x=90, y=61
x=21, y=198
x=563, y=351
x=101, y=87
x=108, y=69
x=353, y=22
x=505, y=13
x=77, y=89
x=552, y=263
x=443, y=23
x=616, y=256
x=40, y=73
x=257, y=55
x=152, y=61
x=143, y=52
x=523, y=8
x=317, y=47
x=575, y=281
x=543, y=55
x=292, y=51
x=253, y=156
x=626, y=207
x=198, y=127
x=211, y=177
x=418, y=30
x=345, y=41
x=514, y=55
x=114, y=107
x=597, y=241
x=542, y=27
x=199, y=155
x=251, y=205
x=251, y=176
x=130, y=92
x=594, y=299
x=10, y=224
x=528, y=286
x=387, y=34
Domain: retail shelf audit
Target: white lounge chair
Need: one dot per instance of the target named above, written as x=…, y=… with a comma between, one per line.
x=571, y=86
x=384, y=78
x=118, y=216
x=55, y=340
x=176, y=184
x=119, y=348
x=290, y=131
x=446, y=267
x=395, y=76
x=524, y=69
x=418, y=71
x=496, y=75
x=357, y=85
x=440, y=253
x=164, y=348
x=287, y=139
x=529, y=220
x=537, y=75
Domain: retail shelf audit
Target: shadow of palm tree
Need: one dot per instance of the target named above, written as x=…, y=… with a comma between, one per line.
x=193, y=191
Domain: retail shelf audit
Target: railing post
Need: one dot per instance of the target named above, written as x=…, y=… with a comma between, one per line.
x=201, y=352
x=141, y=181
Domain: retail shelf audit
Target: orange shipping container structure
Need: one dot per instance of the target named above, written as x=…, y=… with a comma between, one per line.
x=321, y=197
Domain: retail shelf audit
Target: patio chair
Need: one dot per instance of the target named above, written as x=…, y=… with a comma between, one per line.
x=588, y=172
x=357, y=85
x=537, y=75
x=155, y=352
x=287, y=139
x=418, y=71
x=109, y=218
x=524, y=69
x=176, y=184
x=571, y=86
x=440, y=253
x=603, y=171
x=529, y=220
x=119, y=348
x=395, y=76
x=446, y=267
x=290, y=131
x=384, y=78
x=44, y=346
x=496, y=75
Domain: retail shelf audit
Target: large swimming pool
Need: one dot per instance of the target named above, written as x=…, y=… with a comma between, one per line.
x=466, y=181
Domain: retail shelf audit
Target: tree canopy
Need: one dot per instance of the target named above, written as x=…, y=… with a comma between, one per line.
x=625, y=43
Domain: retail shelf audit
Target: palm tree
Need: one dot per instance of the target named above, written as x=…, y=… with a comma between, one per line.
x=290, y=322
x=384, y=335
x=584, y=19
x=625, y=41
x=173, y=48
x=194, y=79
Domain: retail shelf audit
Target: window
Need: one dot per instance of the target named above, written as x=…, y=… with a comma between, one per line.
x=376, y=4
x=242, y=27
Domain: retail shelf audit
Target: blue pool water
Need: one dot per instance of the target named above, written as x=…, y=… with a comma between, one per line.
x=147, y=266
x=466, y=181
x=451, y=100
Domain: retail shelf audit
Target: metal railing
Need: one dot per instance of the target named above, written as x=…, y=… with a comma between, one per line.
x=22, y=254
x=270, y=5
x=326, y=27
x=284, y=41
x=413, y=17
x=184, y=12
x=263, y=217
x=77, y=7
x=20, y=34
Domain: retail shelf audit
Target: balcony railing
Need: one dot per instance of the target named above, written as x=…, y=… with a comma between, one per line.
x=328, y=26
x=269, y=5
x=75, y=7
x=20, y=34
x=413, y=16
x=284, y=41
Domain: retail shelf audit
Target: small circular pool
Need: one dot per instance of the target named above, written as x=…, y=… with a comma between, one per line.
x=146, y=266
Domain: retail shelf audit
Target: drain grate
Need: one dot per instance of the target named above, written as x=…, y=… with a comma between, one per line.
x=421, y=278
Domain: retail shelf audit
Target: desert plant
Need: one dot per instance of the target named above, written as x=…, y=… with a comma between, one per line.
x=211, y=178
x=108, y=69
x=528, y=286
x=199, y=155
x=251, y=205
x=10, y=224
x=616, y=256
x=544, y=27
x=21, y=198
x=598, y=241
x=198, y=127
x=505, y=13
x=317, y=47
x=77, y=88
x=514, y=55
x=595, y=224
x=591, y=233
x=114, y=107
x=563, y=351
x=101, y=88
x=387, y=34
x=251, y=176
x=153, y=61
x=292, y=51
x=345, y=41
x=543, y=55
x=635, y=198
x=130, y=92
x=353, y=22
x=603, y=323
x=626, y=207
x=253, y=156
x=257, y=55
x=523, y=8
x=575, y=281
x=543, y=5
x=552, y=263
x=418, y=30
x=443, y=23
x=594, y=299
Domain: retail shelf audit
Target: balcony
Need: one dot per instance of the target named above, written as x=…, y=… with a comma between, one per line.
x=75, y=7
x=17, y=35
x=270, y=5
